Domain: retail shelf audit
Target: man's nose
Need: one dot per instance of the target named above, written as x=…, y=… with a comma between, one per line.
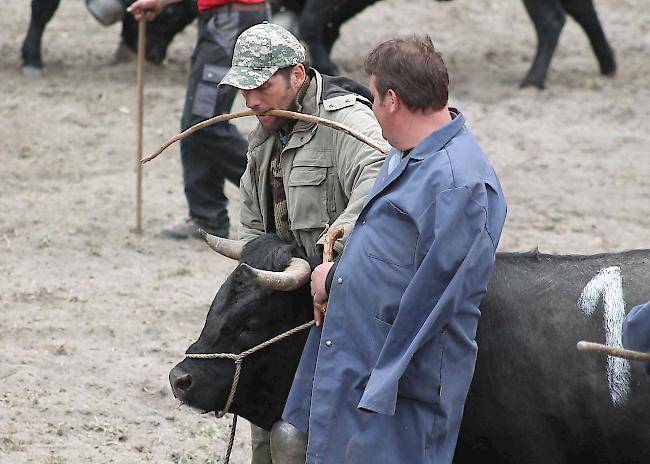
x=250, y=98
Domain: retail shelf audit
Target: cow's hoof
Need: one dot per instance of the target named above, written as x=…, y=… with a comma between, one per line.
x=155, y=55
x=608, y=67
x=32, y=72
x=531, y=83
x=123, y=54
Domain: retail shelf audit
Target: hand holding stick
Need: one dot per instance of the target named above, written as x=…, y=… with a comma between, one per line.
x=328, y=250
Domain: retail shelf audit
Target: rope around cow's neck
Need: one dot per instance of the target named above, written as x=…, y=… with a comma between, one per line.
x=238, y=359
x=280, y=113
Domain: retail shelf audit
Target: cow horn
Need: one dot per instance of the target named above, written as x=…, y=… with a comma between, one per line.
x=223, y=246
x=295, y=275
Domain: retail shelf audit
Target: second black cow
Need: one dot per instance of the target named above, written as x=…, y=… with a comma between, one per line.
x=319, y=23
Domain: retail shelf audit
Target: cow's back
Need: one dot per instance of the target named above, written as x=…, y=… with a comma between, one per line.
x=534, y=397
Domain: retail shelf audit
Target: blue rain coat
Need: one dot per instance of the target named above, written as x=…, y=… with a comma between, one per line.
x=636, y=330
x=385, y=378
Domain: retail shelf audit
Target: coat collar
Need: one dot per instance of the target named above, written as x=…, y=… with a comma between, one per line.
x=433, y=143
x=438, y=139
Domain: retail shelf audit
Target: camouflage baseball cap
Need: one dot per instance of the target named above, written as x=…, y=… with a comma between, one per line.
x=259, y=52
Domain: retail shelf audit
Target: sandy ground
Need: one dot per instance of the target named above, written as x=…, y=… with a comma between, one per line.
x=93, y=316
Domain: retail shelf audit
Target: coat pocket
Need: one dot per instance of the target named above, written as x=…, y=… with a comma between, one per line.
x=422, y=380
x=392, y=236
x=205, y=97
x=307, y=195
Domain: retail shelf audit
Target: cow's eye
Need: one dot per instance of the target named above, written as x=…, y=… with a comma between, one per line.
x=254, y=326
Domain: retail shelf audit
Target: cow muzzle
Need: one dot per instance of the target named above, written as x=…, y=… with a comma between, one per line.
x=181, y=383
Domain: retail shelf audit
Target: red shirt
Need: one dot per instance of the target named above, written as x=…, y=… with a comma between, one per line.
x=207, y=4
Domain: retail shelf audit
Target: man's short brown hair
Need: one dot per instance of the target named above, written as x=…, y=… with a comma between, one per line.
x=414, y=69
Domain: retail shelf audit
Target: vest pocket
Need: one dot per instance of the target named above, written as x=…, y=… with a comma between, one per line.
x=307, y=197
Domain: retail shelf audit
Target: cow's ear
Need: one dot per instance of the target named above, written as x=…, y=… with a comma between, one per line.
x=281, y=257
x=244, y=272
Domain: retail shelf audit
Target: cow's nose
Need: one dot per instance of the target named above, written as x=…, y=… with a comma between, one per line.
x=180, y=381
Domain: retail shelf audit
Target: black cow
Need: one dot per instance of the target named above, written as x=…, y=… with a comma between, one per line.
x=160, y=32
x=242, y=315
x=319, y=24
x=534, y=398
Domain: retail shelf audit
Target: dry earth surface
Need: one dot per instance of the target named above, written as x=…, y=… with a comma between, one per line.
x=93, y=316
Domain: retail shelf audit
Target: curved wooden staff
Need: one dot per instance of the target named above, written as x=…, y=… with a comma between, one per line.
x=328, y=250
x=613, y=351
x=280, y=113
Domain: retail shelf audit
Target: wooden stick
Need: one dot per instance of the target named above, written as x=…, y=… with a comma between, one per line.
x=280, y=113
x=139, y=118
x=612, y=351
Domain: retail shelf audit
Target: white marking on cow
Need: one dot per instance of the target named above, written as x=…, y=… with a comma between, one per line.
x=609, y=285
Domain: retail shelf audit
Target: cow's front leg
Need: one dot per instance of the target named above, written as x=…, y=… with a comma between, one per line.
x=42, y=12
x=314, y=19
x=160, y=31
x=548, y=18
x=584, y=13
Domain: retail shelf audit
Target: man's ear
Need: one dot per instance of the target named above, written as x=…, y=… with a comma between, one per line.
x=393, y=101
x=298, y=74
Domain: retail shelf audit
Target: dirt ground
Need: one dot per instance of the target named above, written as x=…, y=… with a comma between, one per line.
x=93, y=316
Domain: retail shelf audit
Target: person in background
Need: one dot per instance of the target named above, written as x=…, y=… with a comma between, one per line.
x=216, y=153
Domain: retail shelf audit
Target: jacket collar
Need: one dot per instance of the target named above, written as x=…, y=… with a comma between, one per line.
x=433, y=143
x=438, y=139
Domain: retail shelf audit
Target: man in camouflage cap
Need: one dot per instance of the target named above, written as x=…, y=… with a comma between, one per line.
x=301, y=178
x=259, y=53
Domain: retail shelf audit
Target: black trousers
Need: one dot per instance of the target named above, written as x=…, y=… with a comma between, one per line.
x=216, y=153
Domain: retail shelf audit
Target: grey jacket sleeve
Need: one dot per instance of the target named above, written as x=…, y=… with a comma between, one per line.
x=357, y=164
x=251, y=222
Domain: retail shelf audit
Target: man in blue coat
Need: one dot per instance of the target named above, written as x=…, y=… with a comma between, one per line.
x=384, y=377
x=636, y=330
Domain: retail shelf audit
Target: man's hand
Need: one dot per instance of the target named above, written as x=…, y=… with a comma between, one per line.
x=318, y=292
x=148, y=9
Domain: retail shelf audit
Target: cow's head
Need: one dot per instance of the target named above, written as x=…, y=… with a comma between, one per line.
x=244, y=314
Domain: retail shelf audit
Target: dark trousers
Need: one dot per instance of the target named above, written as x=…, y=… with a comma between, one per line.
x=216, y=153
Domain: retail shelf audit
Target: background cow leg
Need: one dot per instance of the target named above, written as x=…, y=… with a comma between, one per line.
x=343, y=11
x=314, y=19
x=584, y=13
x=160, y=32
x=548, y=18
x=42, y=12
